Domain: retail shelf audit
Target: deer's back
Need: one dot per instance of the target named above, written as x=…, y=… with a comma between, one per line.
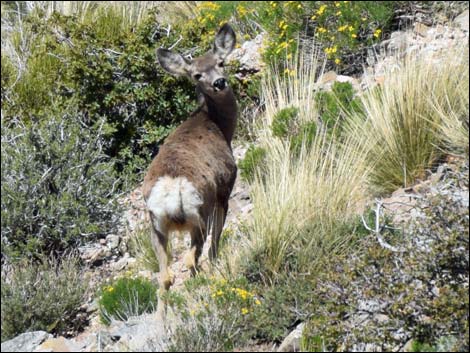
x=198, y=151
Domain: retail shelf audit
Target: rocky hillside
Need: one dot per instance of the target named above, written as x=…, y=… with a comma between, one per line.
x=402, y=284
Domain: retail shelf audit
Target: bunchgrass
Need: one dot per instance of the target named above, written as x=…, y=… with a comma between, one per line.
x=142, y=248
x=303, y=201
x=406, y=117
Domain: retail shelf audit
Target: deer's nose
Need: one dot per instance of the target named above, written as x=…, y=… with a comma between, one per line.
x=220, y=83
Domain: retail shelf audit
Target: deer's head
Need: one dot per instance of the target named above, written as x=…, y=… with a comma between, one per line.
x=207, y=70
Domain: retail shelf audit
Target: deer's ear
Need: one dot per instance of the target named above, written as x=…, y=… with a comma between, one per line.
x=172, y=63
x=224, y=41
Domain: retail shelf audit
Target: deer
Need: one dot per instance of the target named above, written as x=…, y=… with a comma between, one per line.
x=188, y=184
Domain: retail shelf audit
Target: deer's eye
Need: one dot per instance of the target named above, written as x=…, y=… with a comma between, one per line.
x=221, y=64
x=197, y=77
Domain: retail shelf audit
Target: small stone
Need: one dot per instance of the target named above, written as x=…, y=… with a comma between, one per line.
x=292, y=342
x=112, y=241
x=92, y=253
x=102, y=241
x=421, y=29
x=381, y=318
x=327, y=77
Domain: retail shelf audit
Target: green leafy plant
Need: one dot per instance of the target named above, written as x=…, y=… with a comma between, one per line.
x=333, y=105
x=126, y=297
x=252, y=162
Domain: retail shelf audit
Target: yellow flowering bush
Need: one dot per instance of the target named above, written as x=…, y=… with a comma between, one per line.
x=344, y=27
x=216, y=313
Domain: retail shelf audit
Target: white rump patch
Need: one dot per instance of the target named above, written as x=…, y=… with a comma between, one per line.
x=172, y=196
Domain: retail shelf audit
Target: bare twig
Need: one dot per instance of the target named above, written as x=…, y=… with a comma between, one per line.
x=378, y=228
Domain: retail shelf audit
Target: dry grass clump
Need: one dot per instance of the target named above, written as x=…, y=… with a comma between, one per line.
x=304, y=200
x=406, y=119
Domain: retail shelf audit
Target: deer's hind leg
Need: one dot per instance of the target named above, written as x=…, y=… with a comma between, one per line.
x=218, y=221
x=166, y=278
x=198, y=236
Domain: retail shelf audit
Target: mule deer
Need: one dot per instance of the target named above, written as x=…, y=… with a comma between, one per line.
x=188, y=184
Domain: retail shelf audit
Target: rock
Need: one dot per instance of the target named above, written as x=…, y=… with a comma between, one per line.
x=328, y=77
x=59, y=344
x=112, y=241
x=90, y=307
x=344, y=79
x=409, y=346
x=26, y=342
x=292, y=342
x=140, y=334
x=381, y=318
x=123, y=248
x=93, y=253
x=398, y=41
x=249, y=57
x=421, y=29
x=371, y=306
x=462, y=21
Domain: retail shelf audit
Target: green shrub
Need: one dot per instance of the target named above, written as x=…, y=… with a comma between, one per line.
x=44, y=295
x=284, y=121
x=305, y=136
x=334, y=105
x=252, y=163
x=125, y=298
x=421, y=288
x=58, y=188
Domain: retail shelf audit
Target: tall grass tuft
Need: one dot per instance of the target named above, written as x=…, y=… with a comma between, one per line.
x=304, y=203
x=406, y=117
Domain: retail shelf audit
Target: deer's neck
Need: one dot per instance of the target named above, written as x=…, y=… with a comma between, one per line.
x=222, y=110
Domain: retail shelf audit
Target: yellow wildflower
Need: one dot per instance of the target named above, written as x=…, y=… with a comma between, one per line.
x=342, y=28
x=322, y=30
x=110, y=289
x=219, y=293
x=377, y=33
x=257, y=302
x=313, y=17
x=337, y=4
x=245, y=311
x=351, y=28
x=338, y=13
x=354, y=35
x=337, y=61
x=321, y=10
